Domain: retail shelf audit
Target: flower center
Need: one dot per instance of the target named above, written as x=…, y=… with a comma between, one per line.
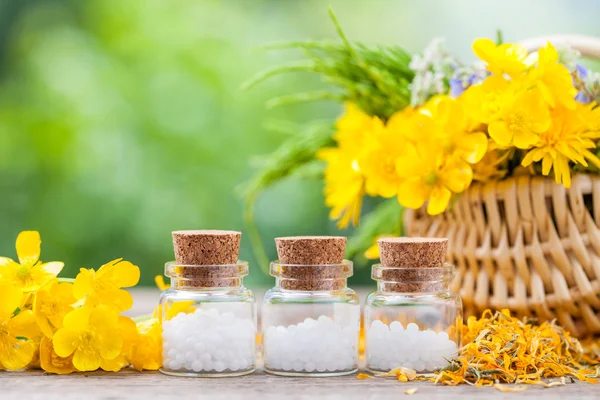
x=49, y=308
x=85, y=339
x=389, y=166
x=492, y=104
x=516, y=122
x=430, y=179
x=23, y=272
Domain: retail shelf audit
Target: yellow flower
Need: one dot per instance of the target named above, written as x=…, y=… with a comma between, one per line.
x=567, y=140
x=372, y=253
x=451, y=129
x=353, y=126
x=553, y=79
x=174, y=308
x=104, y=286
x=378, y=163
x=344, y=185
x=510, y=59
x=128, y=333
x=30, y=274
x=91, y=335
x=491, y=167
x=52, y=362
x=486, y=102
x=52, y=302
x=430, y=175
x=159, y=281
x=344, y=178
x=147, y=351
x=17, y=328
x=521, y=121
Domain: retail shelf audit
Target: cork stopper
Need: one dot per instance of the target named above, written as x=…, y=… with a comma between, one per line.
x=411, y=265
x=311, y=250
x=206, y=247
x=206, y=258
x=417, y=252
x=311, y=263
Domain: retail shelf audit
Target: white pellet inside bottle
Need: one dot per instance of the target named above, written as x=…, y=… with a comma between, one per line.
x=318, y=339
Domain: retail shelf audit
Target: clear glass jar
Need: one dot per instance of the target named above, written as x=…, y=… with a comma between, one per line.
x=208, y=321
x=311, y=321
x=413, y=319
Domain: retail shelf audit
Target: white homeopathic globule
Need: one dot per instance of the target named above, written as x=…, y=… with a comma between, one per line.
x=315, y=345
x=394, y=346
x=207, y=340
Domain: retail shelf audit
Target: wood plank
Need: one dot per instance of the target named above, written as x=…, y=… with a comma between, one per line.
x=153, y=385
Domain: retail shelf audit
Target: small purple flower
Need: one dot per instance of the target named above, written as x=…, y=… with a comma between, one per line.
x=582, y=71
x=456, y=87
x=583, y=98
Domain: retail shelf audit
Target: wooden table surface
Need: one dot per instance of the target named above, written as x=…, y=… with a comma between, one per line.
x=153, y=385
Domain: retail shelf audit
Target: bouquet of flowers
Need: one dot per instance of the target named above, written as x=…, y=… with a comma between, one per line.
x=422, y=128
x=65, y=325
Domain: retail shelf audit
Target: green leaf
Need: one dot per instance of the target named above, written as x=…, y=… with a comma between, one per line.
x=376, y=78
x=386, y=218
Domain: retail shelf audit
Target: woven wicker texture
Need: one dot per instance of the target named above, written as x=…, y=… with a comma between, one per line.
x=526, y=244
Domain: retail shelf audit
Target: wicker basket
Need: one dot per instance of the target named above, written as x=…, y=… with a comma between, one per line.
x=526, y=243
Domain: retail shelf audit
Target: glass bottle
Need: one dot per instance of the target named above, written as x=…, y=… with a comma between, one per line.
x=311, y=321
x=413, y=319
x=208, y=321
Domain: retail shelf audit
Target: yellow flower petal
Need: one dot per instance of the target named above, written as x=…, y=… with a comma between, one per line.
x=65, y=342
x=474, y=146
x=103, y=321
x=52, y=362
x=159, y=281
x=4, y=261
x=53, y=268
x=483, y=47
x=10, y=299
x=78, y=319
x=124, y=273
x=16, y=354
x=457, y=175
x=147, y=353
x=86, y=360
x=110, y=344
x=101, y=317
x=120, y=299
x=23, y=325
x=499, y=131
x=439, y=199
x=29, y=247
x=113, y=365
x=412, y=193
x=83, y=283
x=524, y=139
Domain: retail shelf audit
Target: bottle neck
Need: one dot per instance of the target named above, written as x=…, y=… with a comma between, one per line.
x=308, y=285
x=311, y=277
x=206, y=284
x=413, y=287
x=206, y=277
x=413, y=280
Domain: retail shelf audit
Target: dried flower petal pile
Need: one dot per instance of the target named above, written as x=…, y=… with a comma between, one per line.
x=504, y=349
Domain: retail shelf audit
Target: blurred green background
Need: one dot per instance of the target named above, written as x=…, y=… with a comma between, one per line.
x=121, y=121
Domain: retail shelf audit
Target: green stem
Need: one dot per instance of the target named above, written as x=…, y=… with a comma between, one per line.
x=142, y=318
x=252, y=231
x=66, y=280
